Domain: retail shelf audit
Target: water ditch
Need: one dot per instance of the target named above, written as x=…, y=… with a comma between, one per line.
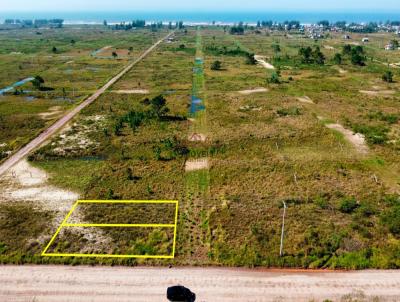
x=16, y=84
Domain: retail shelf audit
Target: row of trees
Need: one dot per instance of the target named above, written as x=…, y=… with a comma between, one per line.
x=142, y=24
x=312, y=56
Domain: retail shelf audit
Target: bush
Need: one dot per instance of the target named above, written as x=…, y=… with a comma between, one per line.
x=250, y=60
x=391, y=218
x=216, y=65
x=388, y=76
x=337, y=59
x=348, y=205
x=275, y=78
x=289, y=111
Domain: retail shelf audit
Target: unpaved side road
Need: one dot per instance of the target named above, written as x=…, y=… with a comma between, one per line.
x=123, y=284
x=66, y=118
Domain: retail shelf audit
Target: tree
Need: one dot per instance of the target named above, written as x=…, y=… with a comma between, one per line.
x=388, y=76
x=54, y=50
x=337, y=59
x=37, y=82
x=318, y=56
x=346, y=49
x=395, y=44
x=324, y=23
x=73, y=42
x=216, y=65
x=357, y=59
x=159, y=106
x=305, y=53
x=105, y=22
x=114, y=55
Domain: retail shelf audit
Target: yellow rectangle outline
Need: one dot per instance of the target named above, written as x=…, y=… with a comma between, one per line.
x=154, y=225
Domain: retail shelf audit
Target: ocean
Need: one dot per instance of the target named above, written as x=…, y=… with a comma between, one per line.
x=205, y=17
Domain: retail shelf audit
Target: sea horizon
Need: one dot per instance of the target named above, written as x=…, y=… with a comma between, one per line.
x=205, y=16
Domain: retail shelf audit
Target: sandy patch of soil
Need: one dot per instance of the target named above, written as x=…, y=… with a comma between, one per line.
x=305, y=99
x=255, y=90
x=262, y=62
x=342, y=71
x=356, y=139
x=250, y=108
x=329, y=47
x=196, y=164
x=75, y=138
x=132, y=91
x=69, y=62
x=197, y=137
x=23, y=182
x=52, y=113
x=378, y=92
x=395, y=65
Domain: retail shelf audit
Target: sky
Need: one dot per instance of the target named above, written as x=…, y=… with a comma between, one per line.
x=203, y=5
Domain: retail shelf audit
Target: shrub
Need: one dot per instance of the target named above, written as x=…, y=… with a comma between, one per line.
x=274, y=78
x=348, y=205
x=391, y=218
x=289, y=111
x=337, y=59
x=390, y=118
x=216, y=65
x=158, y=106
x=321, y=202
x=250, y=60
x=388, y=76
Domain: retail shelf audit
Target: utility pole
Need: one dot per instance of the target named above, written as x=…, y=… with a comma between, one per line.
x=283, y=229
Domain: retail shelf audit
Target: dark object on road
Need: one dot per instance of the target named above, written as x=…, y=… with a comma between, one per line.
x=180, y=294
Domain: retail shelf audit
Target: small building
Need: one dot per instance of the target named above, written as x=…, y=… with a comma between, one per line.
x=346, y=37
x=365, y=40
x=389, y=46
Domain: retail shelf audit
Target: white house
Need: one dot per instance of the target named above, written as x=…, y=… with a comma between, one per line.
x=389, y=46
x=365, y=40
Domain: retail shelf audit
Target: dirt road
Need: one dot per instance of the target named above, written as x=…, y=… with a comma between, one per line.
x=101, y=284
x=66, y=118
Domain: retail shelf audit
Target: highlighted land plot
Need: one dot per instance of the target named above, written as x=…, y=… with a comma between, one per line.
x=139, y=236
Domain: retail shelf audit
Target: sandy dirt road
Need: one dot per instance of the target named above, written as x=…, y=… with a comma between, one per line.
x=66, y=118
x=122, y=284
